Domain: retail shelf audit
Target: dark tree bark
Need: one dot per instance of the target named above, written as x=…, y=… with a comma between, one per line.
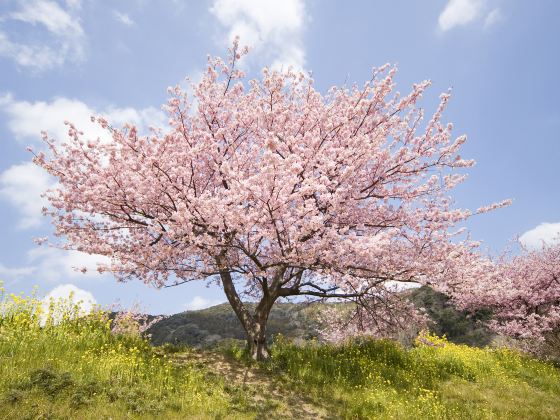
x=256, y=341
x=254, y=324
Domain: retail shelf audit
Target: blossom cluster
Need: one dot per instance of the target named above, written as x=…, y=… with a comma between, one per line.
x=289, y=191
x=522, y=291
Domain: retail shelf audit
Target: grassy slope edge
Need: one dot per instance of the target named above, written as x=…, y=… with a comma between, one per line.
x=80, y=369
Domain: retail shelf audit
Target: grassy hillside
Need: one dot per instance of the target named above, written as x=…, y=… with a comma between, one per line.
x=80, y=369
x=434, y=380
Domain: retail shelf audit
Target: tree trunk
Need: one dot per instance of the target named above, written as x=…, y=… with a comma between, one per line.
x=256, y=342
x=254, y=325
x=256, y=337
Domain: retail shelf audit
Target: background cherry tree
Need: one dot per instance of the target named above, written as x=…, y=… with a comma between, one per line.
x=271, y=189
x=522, y=292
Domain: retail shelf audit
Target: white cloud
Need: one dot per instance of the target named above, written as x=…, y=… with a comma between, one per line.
x=22, y=186
x=199, y=302
x=273, y=28
x=123, y=18
x=494, y=17
x=26, y=120
x=462, y=12
x=459, y=12
x=49, y=14
x=40, y=57
x=65, y=291
x=545, y=232
x=64, y=298
x=55, y=264
x=59, y=29
x=12, y=273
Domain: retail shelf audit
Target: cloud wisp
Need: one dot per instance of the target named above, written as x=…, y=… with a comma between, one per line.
x=462, y=12
x=273, y=29
x=54, y=265
x=199, y=302
x=493, y=18
x=56, y=24
x=15, y=272
x=123, y=18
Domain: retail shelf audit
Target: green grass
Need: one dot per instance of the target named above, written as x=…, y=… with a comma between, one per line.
x=79, y=369
x=435, y=379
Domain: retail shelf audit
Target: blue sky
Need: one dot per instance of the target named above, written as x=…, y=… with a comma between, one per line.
x=67, y=59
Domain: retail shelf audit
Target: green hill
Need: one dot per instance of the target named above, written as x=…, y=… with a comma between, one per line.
x=301, y=321
x=213, y=325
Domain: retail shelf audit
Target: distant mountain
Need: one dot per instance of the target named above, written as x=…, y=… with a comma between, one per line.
x=301, y=321
x=205, y=327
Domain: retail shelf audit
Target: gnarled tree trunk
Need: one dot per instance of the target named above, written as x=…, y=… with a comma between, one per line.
x=256, y=341
x=253, y=324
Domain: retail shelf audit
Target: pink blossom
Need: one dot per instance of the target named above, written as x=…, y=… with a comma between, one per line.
x=522, y=291
x=272, y=188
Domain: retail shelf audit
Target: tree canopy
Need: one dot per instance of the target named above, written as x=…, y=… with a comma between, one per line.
x=273, y=189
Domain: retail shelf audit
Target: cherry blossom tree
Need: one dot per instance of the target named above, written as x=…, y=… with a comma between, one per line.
x=522, y=291
x=271, y=189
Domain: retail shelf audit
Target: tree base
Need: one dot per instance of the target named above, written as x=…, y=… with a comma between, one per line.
x=258, y=351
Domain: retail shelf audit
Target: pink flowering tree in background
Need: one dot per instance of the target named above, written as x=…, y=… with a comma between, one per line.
x=271, y=188
x=388, y=315
x=132, y=321
x=521, y=291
